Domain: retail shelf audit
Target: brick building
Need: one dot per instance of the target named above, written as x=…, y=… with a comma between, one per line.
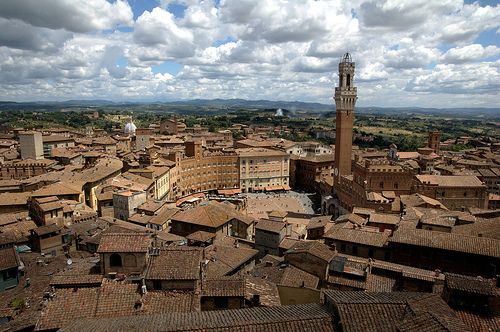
x=455, y=192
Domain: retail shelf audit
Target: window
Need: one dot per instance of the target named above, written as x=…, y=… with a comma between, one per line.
x=115, y=260
x=354, y=250
x=130, y=260
x=221, y=302
x=157, y=284
x=381, y=184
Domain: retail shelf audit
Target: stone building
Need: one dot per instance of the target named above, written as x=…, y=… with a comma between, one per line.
x=126, y=253
x=23, y=169
x=55, y=141
x=455, y=192
x=263, y=169
x=143, y=138
x=269, y=234
x=126, y=202
x=307, y=172
x=31, y=145
x=434, y=140
x=204, y=171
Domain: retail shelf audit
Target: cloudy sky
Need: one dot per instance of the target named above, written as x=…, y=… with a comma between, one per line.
x=425, y=53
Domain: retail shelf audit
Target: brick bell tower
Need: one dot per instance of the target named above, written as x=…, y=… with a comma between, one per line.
x=345, y=99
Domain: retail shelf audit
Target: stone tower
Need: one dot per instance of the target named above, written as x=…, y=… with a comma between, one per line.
x=345, y=99
x=433, y=141
x=31, y=145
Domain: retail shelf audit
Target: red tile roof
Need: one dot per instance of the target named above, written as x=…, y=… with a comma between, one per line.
x=124, y=242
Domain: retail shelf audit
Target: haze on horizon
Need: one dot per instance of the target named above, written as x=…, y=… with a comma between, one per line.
x=407, y=53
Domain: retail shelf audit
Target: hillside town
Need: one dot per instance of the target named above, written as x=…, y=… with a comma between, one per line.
x=173, y=227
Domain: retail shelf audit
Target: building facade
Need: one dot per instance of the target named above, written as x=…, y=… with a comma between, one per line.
x=263, y=169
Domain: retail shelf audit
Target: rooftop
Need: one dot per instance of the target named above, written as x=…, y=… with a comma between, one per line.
x=124, y=242
x=176, y=263
x=305, y=317
x=448, y=241
x=450, y=180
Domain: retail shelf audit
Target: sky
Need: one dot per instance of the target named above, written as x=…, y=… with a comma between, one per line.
x=420, y=53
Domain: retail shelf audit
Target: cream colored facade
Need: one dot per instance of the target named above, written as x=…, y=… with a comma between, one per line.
x=162, y=184
x=31, y=145
x=263, y=169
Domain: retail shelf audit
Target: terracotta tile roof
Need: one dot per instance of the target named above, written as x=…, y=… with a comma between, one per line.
x=176, y=263
x=124, y=242
x=59, y=188
x=233, y=286
x=116, y=300
x=288, y=243
x=376, y=283
x=47, y=229
x=259, y=152
x=165, y=302
x=269, y=225
x=266, y=290
x=200, y=236
x=447, y=241
x=112, y=299
x=292, y=318
x=211, y=214
x=392, y=311
x=352, y=218
x=7, y=199
x=450, y=180
x=67, y=306
x=8, y=258
x=479, y=322
x=295, y=277
x=475, y=285
x=360, y=236
x=225, y=259
x=340, y=280
x=70, y=281
x=318, y=222
x=486, y=227
x=313, y=248
x=273, y=269
x=384, y=218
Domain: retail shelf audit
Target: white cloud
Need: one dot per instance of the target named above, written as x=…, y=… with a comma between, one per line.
x=469, y=53
x=77, y=16
x=472, y=79
x=251, y=49
x=159, y=27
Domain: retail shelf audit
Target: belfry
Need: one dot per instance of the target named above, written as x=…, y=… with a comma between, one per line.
x=345, y=100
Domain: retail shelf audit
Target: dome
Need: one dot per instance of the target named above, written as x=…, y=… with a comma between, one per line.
x=129, y=128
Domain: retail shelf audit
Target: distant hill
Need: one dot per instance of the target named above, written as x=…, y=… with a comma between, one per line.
x=231, y=104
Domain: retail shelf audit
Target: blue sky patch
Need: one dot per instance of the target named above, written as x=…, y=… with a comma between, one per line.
x=226, y=40
x=170, y=67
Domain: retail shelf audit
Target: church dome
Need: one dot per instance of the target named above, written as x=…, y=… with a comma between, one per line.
x=130, y=128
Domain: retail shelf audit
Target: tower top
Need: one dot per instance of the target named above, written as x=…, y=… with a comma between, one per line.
x=346, y=58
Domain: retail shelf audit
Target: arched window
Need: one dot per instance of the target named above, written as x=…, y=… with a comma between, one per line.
x=130, y=260
x=348, y=80
x=115, y=260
